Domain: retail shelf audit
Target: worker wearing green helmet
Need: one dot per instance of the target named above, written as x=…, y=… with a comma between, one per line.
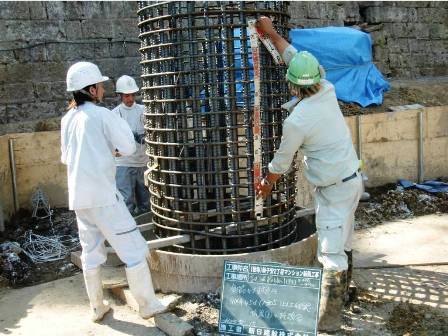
x=303, y=70
x=317, y=127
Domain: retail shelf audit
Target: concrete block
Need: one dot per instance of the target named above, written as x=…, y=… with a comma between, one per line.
x=14, y=10
x=50, y=71
x=52, y=91
x=398, y=45
x=130, y=8
x=7, y=57
x=420, y=46
x=390, y=14
x=379, y=37
x=18, y=72
x=57, y=52
x=400, y=60
x=70, y=51
x=432, y=15
x=35, y=110
x=421, y=60
x=57, y=10
x=101, y=50
x=114, y=67
x=438, y=31
x=380, y=53
x=3, y=114
x=173, y=325
x=125, y=28
x=105, y=9
x=70, y=10
x=402, y=72
x=94, y=10
x=298, y=10
x=438, y=4
x=32, y=30
x=37, y=53
x=117, y=50
x=3, y=74
x=351, y=11
x=132, y=50
x=312, y=10
x=37, y=10
x=17, y=93
x=72, y=30
x=96, y=28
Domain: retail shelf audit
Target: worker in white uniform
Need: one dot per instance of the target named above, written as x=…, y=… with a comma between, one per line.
x=131, y=168
x=90, y=138
x=317, y=127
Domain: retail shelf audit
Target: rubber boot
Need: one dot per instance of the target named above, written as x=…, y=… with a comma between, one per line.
x=140, y=284
x=350, y=291
x=332, y=300
x=94, y=289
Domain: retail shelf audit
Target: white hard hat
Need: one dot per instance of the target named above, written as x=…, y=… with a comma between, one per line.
x=126, y=85
x=83, y=74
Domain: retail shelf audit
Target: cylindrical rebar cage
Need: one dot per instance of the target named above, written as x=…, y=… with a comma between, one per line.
x=198, y=90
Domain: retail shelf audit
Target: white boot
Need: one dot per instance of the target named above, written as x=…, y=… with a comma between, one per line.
x=140, y=284
x=94, y=289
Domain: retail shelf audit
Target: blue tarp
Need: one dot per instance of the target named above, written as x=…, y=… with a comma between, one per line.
x=428, y=186
x=346, y=55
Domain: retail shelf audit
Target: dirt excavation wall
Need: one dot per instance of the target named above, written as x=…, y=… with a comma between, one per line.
x=40, y=40
x=389, y=148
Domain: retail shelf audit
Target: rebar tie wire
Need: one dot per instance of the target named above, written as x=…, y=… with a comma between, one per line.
x=40, y=248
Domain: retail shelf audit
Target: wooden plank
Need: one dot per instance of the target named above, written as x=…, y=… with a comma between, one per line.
x=75, y=258
x=114, y=277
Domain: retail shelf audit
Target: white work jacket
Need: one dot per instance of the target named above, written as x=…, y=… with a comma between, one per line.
x=90, y=134
x=134, y=117
x=317, y=127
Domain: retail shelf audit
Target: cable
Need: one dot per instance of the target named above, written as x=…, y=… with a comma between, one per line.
x=71, y=42
x=44, y=249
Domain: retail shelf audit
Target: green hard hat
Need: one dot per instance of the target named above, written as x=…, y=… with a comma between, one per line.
x=303, y=69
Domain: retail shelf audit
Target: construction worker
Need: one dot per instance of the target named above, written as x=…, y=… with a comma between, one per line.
x=130, y=169
x=90, y=137
x=317, y=126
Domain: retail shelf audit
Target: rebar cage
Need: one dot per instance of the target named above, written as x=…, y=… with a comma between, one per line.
x=197, y=77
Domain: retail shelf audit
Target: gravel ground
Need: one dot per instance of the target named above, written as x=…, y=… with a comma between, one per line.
x=392, y=202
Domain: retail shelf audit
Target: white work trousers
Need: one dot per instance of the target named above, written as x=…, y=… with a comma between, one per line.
x=335, y=216
x=112, y=223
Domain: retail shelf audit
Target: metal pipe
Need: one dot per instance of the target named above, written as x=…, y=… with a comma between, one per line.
x=12, y=163
x=421, y=168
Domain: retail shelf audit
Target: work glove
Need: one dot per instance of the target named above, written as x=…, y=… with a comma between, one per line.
x=139, y=137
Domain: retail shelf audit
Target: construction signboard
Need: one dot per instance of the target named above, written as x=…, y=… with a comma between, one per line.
x=269, y=299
